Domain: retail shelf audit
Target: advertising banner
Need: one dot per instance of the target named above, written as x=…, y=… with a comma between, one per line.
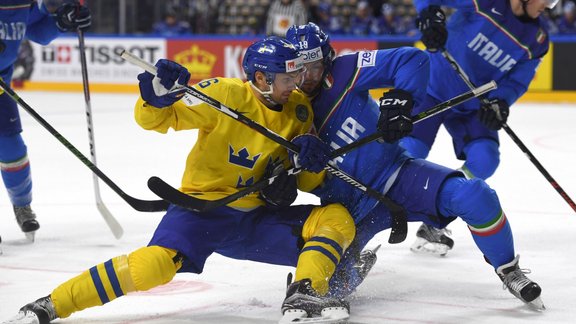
x=59, y=61
x=209, y=58
x=57, y=66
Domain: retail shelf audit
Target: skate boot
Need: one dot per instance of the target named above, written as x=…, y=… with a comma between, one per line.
x=39, y=312
x=346, y=279
x=519, y=285
x=26, y=219
x=432, y=240
x=366, y=262
x=304, y=305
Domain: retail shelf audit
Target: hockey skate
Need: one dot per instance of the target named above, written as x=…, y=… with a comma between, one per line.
x=304, y=305
x=345, y=281
x=366, y=262
x=26, y=219
x=519, y=285
x=39, y=312
x=432, y=240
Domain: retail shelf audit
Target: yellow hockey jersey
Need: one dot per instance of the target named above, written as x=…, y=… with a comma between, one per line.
x=229, y=155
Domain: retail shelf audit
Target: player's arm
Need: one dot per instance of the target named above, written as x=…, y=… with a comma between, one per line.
x=405, y=68
x=159, y=107
x=515, y=83
x=41, y=26
x=494, y=113
x=431, y=21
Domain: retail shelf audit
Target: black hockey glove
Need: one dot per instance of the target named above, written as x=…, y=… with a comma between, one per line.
x=494, y=114
x=71, y=16
x=395, y=120
x=161, y=90
x=283, y=191
x=432, y=24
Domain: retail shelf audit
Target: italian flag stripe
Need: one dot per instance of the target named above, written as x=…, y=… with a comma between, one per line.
x=490, y=228
x=16, y=165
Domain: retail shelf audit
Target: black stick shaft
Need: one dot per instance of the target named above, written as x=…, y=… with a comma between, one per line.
x=513, y=136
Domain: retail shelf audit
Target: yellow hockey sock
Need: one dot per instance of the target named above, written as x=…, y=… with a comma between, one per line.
x=328, y=232
x=142, y=269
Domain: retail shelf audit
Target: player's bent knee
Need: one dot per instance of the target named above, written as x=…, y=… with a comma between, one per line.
x=482, y=157
x=472, y=200
x=12, y=148
x=151, y=266
x=332, y=221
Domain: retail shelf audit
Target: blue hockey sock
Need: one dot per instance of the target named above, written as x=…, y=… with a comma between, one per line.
x=15, y=169
x=478, y=205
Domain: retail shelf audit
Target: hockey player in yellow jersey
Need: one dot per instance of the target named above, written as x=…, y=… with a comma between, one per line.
x=226, y=157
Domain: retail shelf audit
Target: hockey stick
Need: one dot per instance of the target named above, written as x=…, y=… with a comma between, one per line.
x=183, y=200
x=399, y=228
x=177, y=197
x=443, y=106
x=512, y=135
x=139, y=205
x=112, y=223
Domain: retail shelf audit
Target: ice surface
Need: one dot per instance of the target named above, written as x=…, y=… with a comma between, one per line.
x=402, y=288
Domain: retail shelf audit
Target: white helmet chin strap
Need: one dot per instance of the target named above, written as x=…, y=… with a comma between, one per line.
x=266, y=94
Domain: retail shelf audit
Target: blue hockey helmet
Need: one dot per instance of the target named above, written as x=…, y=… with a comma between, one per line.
x=271, y=55
x=312, y=42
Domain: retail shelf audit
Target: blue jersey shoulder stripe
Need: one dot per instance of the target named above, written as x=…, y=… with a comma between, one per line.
x=342, y=96
x=503, y=29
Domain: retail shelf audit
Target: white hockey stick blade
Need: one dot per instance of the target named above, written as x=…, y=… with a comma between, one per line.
x=138, y=62
x=112, y=223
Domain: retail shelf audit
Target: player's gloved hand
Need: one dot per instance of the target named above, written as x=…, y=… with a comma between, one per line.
x=314, y=153
x=395, y=120
x=165, y=88
x=432, y=24
x=494, y=114
x=71, y=16
x=283, y=191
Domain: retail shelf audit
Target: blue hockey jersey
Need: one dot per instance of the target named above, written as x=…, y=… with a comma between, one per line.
x=21, y=19
x=490, y=43
x=344, y=111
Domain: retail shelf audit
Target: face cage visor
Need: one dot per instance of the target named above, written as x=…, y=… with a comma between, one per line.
x=550, y=4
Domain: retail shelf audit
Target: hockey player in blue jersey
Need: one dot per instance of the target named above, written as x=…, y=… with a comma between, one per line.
x=495, y=40
x=226, y=158
x=344, y=111
x=21, y=19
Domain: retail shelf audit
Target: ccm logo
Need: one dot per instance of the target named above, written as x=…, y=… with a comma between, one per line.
x=393, y=102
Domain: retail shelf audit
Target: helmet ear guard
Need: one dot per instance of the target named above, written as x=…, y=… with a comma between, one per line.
x=550, y=4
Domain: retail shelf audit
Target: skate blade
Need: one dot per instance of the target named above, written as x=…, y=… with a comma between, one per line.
x=293, y=316
x=30, y=236
x=23, y=318
x=329, y=315
x=537, y=305
x=424, y=247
